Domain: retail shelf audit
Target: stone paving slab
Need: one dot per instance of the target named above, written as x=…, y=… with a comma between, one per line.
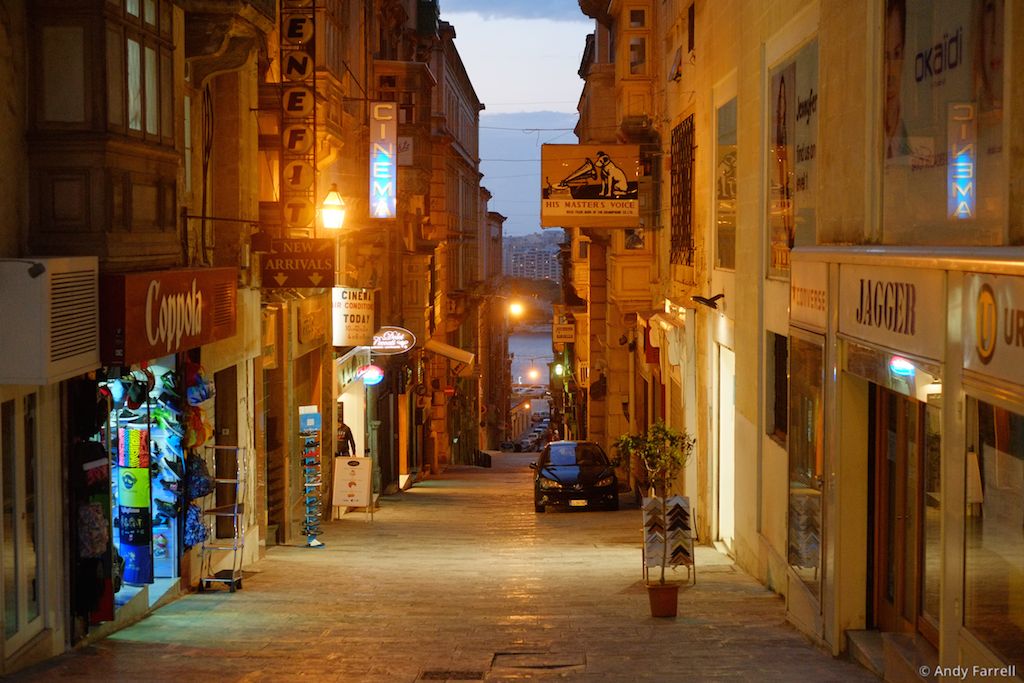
x=459, y=577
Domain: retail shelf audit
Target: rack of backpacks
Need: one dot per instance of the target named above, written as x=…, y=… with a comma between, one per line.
x=312, y=479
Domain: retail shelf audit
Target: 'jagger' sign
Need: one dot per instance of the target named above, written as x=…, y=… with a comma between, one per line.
x=148, y=315
x=902, y=309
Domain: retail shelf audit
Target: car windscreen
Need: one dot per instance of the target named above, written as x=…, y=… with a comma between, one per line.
x=574, y=454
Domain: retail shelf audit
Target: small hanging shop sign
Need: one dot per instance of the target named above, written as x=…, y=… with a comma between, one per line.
x=563, y=332
x=389, y=341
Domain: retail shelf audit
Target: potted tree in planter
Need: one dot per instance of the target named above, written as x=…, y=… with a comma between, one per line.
x=663, y=452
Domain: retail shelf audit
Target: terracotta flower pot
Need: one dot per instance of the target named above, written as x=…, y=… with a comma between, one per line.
x=664, y=598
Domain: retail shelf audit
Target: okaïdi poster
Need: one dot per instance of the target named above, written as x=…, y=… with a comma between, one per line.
x=590, y=185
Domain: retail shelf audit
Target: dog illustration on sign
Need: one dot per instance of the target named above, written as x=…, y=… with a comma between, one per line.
x=611, y=181
x=613, y=178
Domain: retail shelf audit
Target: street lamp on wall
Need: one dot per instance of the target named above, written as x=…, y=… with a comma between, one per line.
x=332, y=210
x=35, y=268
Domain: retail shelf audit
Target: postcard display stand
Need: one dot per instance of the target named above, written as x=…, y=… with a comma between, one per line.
x=312, y=477
x=670, y=522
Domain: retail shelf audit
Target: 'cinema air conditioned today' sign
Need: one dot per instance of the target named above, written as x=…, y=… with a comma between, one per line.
x=352, y=316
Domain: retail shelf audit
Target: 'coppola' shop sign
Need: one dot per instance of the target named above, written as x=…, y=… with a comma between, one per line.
x=148, y=315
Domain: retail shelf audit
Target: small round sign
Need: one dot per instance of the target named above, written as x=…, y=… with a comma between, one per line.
x=371, y=375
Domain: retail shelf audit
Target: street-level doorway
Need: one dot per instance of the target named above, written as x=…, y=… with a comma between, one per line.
x=726, y=446
x=905, y=489
x=21, y=591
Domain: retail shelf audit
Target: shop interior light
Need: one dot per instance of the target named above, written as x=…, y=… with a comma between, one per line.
x=333, y=209
x=901, y=367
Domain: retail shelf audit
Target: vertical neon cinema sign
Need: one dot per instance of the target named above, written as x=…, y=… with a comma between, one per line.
x=961, y=169
x=383, y=159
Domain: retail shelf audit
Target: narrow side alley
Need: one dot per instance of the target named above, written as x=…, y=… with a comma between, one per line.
x=458, y=579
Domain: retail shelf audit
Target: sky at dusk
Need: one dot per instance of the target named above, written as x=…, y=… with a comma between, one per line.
x=522, y=57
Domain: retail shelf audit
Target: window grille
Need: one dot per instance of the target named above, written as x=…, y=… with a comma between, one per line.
x=681, y=243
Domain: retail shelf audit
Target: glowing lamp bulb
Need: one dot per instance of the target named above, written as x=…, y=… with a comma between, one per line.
x=333, y=209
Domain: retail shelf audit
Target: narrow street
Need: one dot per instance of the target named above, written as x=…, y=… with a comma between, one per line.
x=458, y=579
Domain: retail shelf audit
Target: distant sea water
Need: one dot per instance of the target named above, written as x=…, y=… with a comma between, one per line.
x=530, y=349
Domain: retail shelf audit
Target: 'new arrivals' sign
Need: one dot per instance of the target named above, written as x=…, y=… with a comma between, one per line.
x=298, y=263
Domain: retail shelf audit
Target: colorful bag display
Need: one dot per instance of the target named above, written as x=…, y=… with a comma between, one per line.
x=197, y=428
x=195, y=530
x=200, y=482
x=198, y=388
x=93, y=530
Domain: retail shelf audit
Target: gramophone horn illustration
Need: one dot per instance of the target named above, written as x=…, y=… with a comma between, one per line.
x=586, y=171
x=598, y=178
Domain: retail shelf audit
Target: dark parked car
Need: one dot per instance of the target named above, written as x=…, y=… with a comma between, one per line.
x=574, y=473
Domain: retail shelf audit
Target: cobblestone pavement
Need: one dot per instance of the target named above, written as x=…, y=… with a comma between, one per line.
x=459, y=579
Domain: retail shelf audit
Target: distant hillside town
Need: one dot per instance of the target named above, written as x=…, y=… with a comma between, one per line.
x=533, y=256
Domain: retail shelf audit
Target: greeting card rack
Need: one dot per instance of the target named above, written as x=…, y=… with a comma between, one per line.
x=312, y=486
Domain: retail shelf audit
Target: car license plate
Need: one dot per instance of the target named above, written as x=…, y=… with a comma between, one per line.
x=578, y=503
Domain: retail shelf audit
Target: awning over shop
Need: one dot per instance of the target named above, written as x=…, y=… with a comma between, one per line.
x=667, y=321
x=463, y=359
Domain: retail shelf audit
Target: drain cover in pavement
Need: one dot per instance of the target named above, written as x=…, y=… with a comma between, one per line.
x=537, y=660
x=452, y=676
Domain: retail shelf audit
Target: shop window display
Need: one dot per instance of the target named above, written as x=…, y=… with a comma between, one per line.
x=994, y=534
x=943, y=157
x=146, y=438
x=792, y=153
x=806, y=461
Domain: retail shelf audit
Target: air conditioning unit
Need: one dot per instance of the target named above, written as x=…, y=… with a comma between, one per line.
x=49, y=319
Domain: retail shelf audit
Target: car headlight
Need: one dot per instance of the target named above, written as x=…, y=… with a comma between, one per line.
x=549, y=484
x=607, y=481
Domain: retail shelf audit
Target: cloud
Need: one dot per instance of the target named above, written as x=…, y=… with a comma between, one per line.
x=559, y=10
x=522, y=64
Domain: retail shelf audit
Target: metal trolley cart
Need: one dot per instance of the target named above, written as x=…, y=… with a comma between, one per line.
x=229, y=484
